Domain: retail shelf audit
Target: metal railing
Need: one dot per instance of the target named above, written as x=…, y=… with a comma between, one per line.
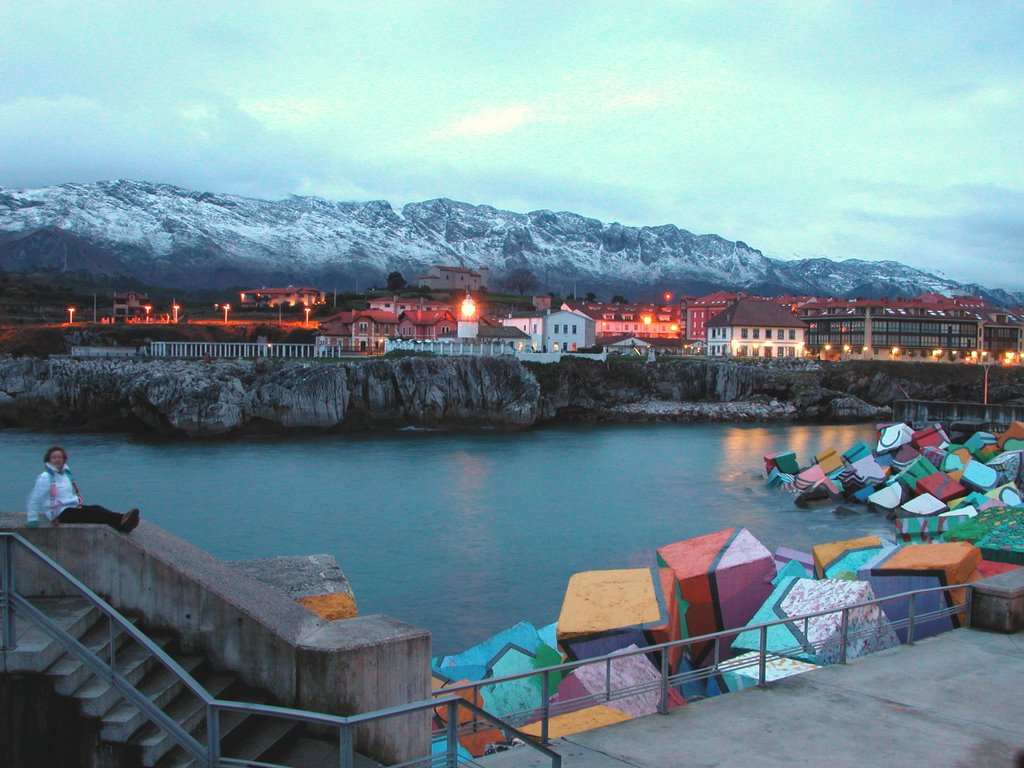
x=13, y=604
x=662, y=654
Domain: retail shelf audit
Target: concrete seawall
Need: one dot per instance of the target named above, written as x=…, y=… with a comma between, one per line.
x=246, y=627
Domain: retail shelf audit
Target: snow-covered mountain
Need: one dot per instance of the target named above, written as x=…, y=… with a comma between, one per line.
x=164, y=235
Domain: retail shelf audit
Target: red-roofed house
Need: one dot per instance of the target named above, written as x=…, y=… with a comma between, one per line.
x=416, y=324
x=702, y=309
x=755, y=328
x=357, y=330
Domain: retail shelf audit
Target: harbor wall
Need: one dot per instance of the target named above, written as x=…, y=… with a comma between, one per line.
x=245, y=627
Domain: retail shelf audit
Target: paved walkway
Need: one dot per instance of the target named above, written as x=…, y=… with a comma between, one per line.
x=954, y=700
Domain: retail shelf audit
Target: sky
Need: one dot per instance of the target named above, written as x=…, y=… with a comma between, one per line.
x=872, y=130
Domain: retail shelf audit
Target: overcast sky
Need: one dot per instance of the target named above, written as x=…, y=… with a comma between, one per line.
x=887, y=130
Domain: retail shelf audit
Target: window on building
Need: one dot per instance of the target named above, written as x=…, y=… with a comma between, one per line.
x=574, y=328
x=757, y=333
x=743, y=334
x=362, y=326
x=792, y=335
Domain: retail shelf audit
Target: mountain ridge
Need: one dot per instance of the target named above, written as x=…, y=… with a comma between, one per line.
x=166, y=235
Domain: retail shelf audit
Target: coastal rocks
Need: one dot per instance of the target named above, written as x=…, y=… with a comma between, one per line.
x=225, y=397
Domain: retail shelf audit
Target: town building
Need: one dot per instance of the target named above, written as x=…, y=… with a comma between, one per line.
x=400, y=304
x=291, y=296
x=425, y=324
x=755, y=328
x=559, y=331
x=130, y=306
x=616, y=320
x=362, y=331
x=929, y=327
x=454, y=278
x=698, y=311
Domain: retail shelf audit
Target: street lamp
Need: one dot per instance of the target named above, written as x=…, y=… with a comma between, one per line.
x=226, y=308
x=71, y=315
x=306, y=310
x=148, y=308
x=175, y=308
x=647, y=324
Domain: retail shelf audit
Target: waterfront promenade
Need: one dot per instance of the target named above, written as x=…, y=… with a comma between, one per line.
x=953, y=700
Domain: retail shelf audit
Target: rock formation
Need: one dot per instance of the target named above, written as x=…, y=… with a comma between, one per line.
x=231, y=397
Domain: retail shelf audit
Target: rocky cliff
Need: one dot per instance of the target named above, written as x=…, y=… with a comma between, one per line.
x=220, y=398
x=223, y=398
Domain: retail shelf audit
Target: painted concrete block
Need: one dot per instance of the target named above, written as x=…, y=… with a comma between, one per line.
x=722, y=578
x=923, y=505
x=892, y=437
x=941, y=486
x=979, y=476
x=829, y=460
x=845, y=556
x=920, y=566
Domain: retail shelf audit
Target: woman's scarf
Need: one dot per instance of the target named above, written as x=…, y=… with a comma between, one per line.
x=54, y=511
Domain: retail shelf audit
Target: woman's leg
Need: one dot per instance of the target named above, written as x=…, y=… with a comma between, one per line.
x=91, y=513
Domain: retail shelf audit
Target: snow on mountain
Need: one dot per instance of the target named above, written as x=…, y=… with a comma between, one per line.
x=164, y=235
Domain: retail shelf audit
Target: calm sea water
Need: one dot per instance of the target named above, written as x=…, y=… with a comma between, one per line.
x=462, y=534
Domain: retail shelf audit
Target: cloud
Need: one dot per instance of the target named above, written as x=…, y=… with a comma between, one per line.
x=490, y=121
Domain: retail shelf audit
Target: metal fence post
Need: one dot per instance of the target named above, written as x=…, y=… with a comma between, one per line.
x=347, y=756
x=546, y=706
x=663, y=701
x=844, y=632
x=213, y=734
x=910, y=618
x=452, y=758
x=762, y=660
x=608, y=679
x=8, y=641
x=968, y=603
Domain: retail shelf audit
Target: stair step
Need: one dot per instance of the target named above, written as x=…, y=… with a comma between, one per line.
x=313, y=752
x=186, y=710
x=260, y=740
x=35, y=650
x=160, y=687
x=70, y=675
x=97, y=696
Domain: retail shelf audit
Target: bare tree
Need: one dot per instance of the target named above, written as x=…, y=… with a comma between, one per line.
x=520, y=280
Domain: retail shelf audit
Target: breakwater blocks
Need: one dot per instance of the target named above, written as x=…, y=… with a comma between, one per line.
x=314, y=581
x=818, y=640
x=923, y=566
x=718, y=582
x=604, y=611
x=927, y=485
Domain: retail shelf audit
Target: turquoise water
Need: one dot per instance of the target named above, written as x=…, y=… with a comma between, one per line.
x=462, y=534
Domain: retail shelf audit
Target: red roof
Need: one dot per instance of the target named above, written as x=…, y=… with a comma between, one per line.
x=426, y=317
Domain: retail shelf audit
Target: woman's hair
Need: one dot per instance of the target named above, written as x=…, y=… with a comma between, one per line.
x=46, y=456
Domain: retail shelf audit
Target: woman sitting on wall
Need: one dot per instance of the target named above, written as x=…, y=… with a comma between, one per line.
x=55, y=496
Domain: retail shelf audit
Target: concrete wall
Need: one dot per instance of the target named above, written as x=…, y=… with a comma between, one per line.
x=246, y=627
x=923, y=412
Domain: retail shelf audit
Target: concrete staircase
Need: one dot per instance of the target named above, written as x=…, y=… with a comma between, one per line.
x=124, y=729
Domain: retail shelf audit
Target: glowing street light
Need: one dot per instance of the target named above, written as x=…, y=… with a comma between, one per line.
x=306, y=310
x=71, y=315
x=148, y=308
x=226, y=308
x=647, y=324
x=468, y=308
x=174, y=309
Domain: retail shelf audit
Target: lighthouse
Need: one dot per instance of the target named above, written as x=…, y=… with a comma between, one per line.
x=469, y=327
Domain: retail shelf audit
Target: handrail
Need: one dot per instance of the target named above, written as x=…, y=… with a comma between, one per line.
x=667, y=679
x=106, y=671
x=208, y=755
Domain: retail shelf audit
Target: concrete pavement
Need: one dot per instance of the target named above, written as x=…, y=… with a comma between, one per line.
x=954, y=700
